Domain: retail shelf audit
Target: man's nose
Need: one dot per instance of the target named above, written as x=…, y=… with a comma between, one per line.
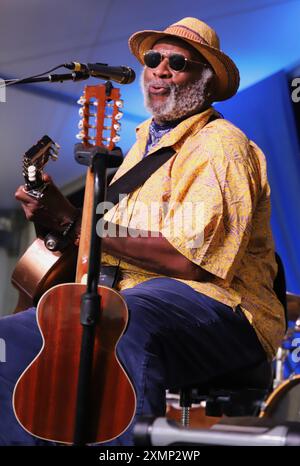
x=163, y=70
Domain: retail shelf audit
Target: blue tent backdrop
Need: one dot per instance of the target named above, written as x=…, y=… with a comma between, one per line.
x=264, y=112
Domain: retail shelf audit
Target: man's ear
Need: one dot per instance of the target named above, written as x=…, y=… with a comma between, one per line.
x=211, y=87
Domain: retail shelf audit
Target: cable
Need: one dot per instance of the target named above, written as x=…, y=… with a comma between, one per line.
x=10, y=82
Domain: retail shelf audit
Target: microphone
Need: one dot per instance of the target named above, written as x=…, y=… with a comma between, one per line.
x=120, y=74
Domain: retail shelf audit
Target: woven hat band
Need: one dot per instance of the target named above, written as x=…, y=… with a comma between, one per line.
x=185, y=32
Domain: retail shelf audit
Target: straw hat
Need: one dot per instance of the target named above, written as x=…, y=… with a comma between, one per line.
x=204, y=39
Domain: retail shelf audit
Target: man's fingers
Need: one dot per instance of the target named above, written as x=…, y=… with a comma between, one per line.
x=22, y=196
x=47, y=178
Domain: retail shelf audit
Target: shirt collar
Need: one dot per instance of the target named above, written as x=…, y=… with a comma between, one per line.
x=177, y=135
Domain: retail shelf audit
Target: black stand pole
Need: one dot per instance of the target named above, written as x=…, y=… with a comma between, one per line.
x=53, y=78
x=99, y=160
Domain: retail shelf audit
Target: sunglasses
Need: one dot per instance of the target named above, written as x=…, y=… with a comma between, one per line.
x=177, y=61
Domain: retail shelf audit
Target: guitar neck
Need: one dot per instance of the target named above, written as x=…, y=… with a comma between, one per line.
x=86, y=224
x=104, y=108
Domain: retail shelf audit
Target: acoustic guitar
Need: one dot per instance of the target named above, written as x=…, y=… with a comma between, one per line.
x=44, y=397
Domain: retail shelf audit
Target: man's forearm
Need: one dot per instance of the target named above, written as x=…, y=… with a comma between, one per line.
x=153, y=253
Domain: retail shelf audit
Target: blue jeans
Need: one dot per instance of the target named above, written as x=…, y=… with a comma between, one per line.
x=175, y=336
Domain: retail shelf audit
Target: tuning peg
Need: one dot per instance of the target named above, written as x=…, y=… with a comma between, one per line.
x=31, y=173
x=53, y=153
x=80, y=135
x=114, y=139
x=82, y=113
x=120, y=103
x=119, y=115
x=81, y=100
x=54, y=149
x=82, y=125
x=116, y=126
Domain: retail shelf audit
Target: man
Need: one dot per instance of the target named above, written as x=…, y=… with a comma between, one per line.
x=199, y=290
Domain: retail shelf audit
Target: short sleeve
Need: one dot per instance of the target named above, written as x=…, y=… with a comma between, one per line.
x=213, y=197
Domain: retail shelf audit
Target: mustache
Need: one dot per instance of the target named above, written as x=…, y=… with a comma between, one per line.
x=158, y=83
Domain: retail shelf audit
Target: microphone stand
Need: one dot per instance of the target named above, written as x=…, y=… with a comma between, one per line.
x=99, y=160
x=53, y=78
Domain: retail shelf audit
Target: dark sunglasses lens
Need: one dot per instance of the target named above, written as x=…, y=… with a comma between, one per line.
x=152, y=59
x=177, y=62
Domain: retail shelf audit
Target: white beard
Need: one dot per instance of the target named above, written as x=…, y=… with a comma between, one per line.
x=183, y=100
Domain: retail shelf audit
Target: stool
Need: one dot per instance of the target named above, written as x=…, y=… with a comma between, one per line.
x=239, y=393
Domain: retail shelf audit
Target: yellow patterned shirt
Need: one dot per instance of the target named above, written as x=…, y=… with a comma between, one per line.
x=211, y=200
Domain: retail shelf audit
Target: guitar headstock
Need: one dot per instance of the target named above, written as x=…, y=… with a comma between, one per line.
x=34, y=161
x=100, y=114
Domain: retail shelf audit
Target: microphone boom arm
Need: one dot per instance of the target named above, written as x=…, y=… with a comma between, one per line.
x=53, y=78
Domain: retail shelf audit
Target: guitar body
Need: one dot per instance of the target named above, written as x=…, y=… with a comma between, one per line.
x=44, y=398
x=39, y=269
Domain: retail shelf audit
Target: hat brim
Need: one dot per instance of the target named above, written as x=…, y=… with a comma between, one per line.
x=227, y=74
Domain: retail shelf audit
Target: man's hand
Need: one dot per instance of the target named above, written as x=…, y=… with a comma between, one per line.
x=52, y=211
